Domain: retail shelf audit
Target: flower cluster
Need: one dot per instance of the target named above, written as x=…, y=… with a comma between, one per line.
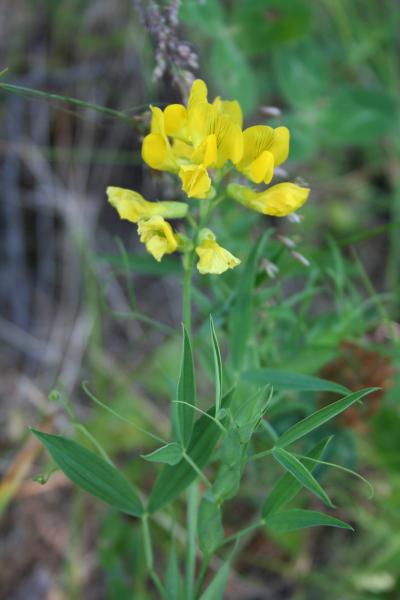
x=200, y=143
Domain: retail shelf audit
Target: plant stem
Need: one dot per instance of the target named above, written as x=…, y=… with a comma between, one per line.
x=242, y=532
x=191, y=540
x=202, y=576
x=148, y=552
x=187, y=302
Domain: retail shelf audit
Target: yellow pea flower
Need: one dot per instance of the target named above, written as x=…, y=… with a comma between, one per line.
x=158, y=236
x=156, y=148
x=196, y=182
x=189, y=140
x=230, y=108
x=132, y=206
x=213, y=259
x=205, y=120
x=264, y=148
x=278, y=201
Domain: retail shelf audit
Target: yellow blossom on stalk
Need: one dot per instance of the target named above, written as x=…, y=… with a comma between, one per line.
x=190, y=139
x=213, y=258
x=264, y=148
x=132, y=206
x=278, y=201
x=158, y=236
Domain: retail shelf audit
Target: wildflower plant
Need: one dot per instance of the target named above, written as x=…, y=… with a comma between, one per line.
x=212, y=446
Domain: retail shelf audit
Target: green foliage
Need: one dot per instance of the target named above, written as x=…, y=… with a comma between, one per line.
x=320, y=417
x=287, y=487
x=186, y=394
x=170, y=454
x=301, y=473
x=297, y=381
x=92, y=473
x=297, y=518
x=211, y=532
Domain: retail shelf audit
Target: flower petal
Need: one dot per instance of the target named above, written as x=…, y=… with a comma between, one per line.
x=213, y=258
x=262, y=168
x=158, y=236
x=198, y=93
x=157, y=153
x=278, y=201
x=280, y=145
x=195, y=180
x=175, y=116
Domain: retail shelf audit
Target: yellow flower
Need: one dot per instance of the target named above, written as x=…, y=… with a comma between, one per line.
x=132, y=206
x=189, y=140
x=205, y=120
x=264, y=148
x=158, y=237
x=195, y=181
x=213, y=258
x=156, y=148
x=278, y=201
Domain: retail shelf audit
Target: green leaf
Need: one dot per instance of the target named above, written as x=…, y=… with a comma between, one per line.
x=217, y=366
x=240, y=321
x=292, y=381
x=173, y=581
x=320, y=417
x=186, y=393
x=260, y=24
x=357, y=115
x=303, y=76
x=232, y=74
x=250, y=411
x=215, y=590
x=206, y=16
x=287, y=487
x=170, y=454
x=301, y=473
x=92, y=473
x=173, y=480
x=209, y=524
x=297, y=518
x=227, y=480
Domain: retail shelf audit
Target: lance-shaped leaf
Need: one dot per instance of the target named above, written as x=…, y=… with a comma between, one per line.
x=217, y=367
x=92, y=473
x=285, y=380
x=320, y=417
x=287, y=487
x=297, y=518
x=170, y=454
x=209, y=526
x=301, y=473
x=215, y=590
x=186, y=393
x=174, y=479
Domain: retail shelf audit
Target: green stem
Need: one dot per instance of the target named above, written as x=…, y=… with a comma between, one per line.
x=242, y=532
x=191, y=540
x=148, y=553
x=202, y=576
x=187, y=301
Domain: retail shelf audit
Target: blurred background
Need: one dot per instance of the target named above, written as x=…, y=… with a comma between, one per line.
x=73, y=102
